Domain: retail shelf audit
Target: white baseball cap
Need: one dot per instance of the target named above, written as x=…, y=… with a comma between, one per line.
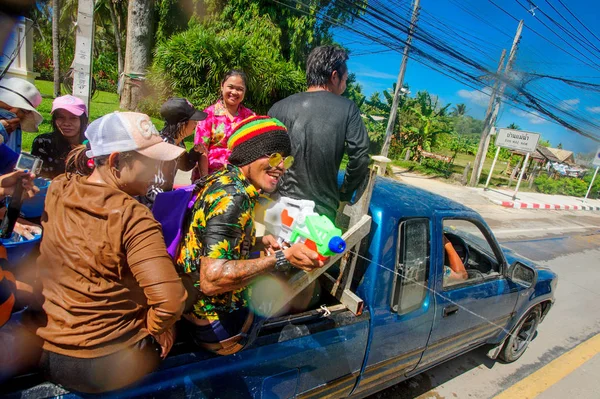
x=128, y=131
x=19, y=93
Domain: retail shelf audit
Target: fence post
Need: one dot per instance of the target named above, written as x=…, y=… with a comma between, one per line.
x=512, y=175
x=466, y=174
x=533, y=175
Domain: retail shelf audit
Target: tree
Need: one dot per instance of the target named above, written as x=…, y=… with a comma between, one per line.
x=426, y=119
x=513, y=126
x=468, y=126
x=459, y=110
x=301, y=28
x=559, y=146
x=544, y=143
x=192, y=63
x=56, y=46
x=112, y=8
x=138, y=50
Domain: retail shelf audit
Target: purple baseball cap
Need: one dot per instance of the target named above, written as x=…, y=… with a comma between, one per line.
x=69, y=103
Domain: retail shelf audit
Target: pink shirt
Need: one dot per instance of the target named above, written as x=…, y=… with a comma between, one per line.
x=215, y=130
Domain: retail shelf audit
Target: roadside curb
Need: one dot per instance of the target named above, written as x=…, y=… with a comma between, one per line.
x=533, y=205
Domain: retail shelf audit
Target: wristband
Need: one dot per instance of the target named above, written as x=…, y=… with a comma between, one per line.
x=281, y=263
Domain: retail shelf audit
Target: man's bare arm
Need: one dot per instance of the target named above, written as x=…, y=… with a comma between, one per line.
x=218, y=276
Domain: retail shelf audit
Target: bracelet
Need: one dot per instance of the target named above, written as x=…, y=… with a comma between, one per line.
x=281, y=263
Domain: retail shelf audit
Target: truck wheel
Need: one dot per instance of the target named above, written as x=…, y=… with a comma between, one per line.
x=521, y=336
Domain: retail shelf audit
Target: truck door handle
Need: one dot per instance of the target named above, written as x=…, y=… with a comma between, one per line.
x=450, y=310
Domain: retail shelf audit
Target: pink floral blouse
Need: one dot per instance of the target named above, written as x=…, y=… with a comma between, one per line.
x=215, y=130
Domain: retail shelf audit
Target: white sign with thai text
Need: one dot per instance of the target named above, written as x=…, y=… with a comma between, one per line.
x=517, y=140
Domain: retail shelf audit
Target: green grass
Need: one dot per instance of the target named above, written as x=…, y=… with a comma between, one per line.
x=103, y=103
x=460, y=162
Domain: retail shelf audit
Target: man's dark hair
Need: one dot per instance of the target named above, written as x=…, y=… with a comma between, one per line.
x=321, y=63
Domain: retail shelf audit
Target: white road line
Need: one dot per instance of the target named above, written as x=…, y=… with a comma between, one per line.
x=515, y=231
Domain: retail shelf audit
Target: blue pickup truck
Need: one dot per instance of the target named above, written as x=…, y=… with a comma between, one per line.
x=411, y=317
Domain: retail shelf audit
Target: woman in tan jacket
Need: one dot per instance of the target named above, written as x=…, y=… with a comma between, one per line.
x=111, y=292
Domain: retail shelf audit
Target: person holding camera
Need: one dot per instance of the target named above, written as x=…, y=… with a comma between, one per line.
x=69, y=121
x=18, y=102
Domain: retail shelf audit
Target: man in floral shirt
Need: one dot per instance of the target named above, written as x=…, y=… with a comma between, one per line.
x=220, y=235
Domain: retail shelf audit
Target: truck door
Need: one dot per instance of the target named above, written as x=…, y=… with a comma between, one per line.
x=470, y=307
x=402, y=306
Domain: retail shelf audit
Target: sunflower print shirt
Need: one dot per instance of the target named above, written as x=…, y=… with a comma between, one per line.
x=221, y=227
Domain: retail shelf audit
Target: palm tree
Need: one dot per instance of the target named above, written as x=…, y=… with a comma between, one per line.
x=513, y=126
x=55, y=46
x=114, y=9
x=459, y=110
x=426, y=119
x=138, y=50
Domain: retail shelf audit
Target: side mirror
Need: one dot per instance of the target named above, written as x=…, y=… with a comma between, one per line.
x=522, y=274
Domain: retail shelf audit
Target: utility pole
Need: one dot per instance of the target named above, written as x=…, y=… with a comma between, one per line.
x=84, y=44
x=491, y=117
x=485, y=134
x=394, y=110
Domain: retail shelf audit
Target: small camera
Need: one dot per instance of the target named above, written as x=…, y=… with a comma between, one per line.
x=29, y=162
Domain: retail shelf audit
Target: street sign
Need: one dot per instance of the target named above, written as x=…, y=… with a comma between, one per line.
x=597, y=158
x=517, y=140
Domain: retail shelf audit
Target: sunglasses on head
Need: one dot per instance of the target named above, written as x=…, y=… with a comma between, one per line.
x=276, y=158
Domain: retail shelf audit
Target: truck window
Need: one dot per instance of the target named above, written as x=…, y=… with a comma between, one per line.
x=468, y=255
x=412, y=266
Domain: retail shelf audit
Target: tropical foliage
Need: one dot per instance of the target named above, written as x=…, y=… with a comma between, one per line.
x=192, y=63
x=110, y=19
x=298, y=26
x=572, y=186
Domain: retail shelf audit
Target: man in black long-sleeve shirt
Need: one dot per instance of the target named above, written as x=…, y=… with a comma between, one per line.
x=322, y=124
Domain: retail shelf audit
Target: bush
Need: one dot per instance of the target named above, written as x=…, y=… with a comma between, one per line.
x=436, y=167
x=191, y=64
x=571, y=186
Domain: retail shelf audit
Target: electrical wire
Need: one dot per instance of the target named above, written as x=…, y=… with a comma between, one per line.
x=443, y=57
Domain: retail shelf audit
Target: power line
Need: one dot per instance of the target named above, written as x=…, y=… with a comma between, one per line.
x=559, y=36
x=542, y=36
x=571, y=25
x=381, y=34
x=578, y=20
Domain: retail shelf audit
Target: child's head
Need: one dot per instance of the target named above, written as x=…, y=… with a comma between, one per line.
x=180, y=117
x=21, y=98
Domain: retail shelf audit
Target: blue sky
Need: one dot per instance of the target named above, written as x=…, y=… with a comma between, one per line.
x=377, y=72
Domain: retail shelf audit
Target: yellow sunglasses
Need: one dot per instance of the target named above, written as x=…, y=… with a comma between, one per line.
x=276, y=158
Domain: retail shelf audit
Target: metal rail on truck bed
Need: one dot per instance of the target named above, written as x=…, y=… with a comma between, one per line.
x=359, y=228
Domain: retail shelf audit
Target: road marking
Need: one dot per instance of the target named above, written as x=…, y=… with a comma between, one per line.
x=498, y=232
x=536, y=383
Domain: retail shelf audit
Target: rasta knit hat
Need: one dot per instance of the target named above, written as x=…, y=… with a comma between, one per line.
x=255, y=137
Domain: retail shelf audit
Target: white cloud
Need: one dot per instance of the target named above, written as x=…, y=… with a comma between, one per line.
x=364, y=71
x=569, y=105
x=532, y=116
x=475, y=96
x=376, y=75
x=594, y=110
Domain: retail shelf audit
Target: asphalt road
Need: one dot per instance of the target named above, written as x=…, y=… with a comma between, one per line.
x=573, y=320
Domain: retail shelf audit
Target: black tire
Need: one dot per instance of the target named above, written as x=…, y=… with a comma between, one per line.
x=521, y=336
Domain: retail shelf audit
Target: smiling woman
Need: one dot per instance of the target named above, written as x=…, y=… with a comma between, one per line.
x=222, y=119
x=69, y=121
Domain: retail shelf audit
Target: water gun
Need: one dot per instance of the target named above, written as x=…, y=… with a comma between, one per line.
x=293, y=221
